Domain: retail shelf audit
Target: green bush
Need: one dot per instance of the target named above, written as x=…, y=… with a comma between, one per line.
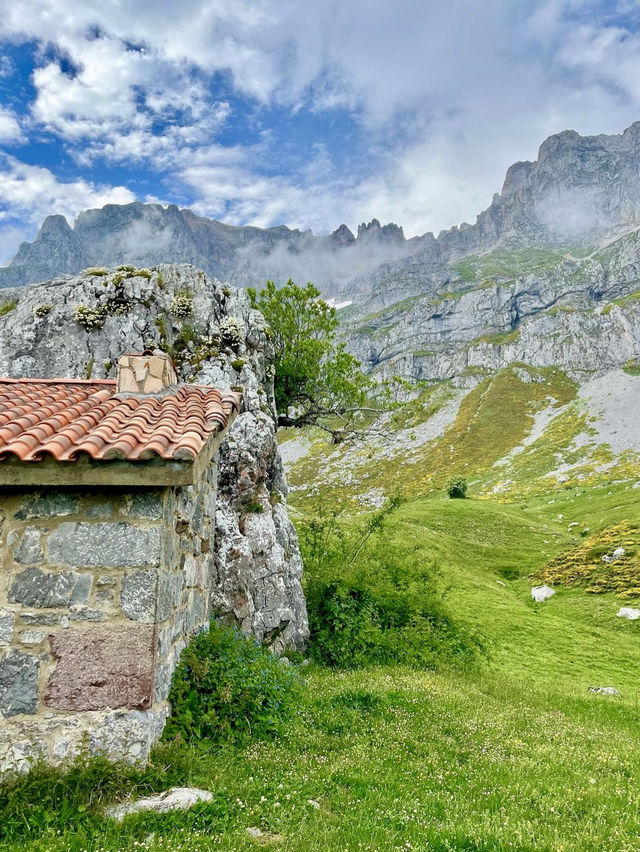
x=227, y=687
x=457, y=487
x=374, y=598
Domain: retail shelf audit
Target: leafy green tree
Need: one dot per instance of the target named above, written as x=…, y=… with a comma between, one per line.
x=317, y=382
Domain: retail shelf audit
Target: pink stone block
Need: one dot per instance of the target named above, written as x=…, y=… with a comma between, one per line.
x=102, y=667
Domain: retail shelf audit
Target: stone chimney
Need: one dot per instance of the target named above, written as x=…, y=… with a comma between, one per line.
x=151, y=372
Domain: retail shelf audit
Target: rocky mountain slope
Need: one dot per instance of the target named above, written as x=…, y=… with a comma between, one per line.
x=540, y=307
x=79, y=326
x=149, y=234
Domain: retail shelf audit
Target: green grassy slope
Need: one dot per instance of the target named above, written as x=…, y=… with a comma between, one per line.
x=489, y=552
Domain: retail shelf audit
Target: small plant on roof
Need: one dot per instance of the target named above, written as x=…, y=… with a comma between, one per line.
x=457, y=487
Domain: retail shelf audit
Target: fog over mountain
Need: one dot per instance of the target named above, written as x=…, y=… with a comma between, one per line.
x=149, y=234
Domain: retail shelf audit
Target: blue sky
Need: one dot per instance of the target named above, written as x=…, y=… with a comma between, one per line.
x=286, y=112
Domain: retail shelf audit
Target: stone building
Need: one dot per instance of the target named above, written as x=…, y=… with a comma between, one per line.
x=108, y=492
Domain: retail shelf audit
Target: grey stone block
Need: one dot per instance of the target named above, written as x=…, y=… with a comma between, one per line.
x=32, y=637
x=169, y=594
x=84, y=614
x=169, y=634
x=33, y=587
x=18, y=683
x=48, y=504
x=138, y=596
x=29, y=550
x=196, y=612
x=6, y=627
x=106, y=594
x=100, y=510
x=48, y=618
x=81, y=589
x=144, y=504
x=110, y=545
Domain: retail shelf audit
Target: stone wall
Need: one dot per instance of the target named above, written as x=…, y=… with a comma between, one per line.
x=99, y=593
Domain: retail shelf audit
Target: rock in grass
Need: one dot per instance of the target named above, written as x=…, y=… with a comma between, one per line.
x=175, y=799
x=264, y=838
x=628, y=612
x=618, y=553
x=604, y=690
x=541, y=593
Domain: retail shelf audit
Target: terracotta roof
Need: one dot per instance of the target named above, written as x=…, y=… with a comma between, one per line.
x=64, y=418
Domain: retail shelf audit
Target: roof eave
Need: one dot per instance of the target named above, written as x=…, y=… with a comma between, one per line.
x=85, y=471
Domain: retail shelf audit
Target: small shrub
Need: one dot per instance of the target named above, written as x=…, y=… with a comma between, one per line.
x=457, y=488
x=91, y=319
x=182, y=304
x=119, y=301
x=232, y=331
x=97, y=271
x=125, y=267
x=42, y=310
x=374, y=599
x=7, y=306
x=227, y=687
x=205, y=348
x=161, y=325
x=632, y=367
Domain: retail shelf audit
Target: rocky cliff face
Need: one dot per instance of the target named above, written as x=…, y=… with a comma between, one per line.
x=77, y=327
x=548, y=274
x=579, y=189
x=542, y=308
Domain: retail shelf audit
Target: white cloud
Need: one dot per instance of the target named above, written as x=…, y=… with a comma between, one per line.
x=10, y=131
x=29, y=193
x=447, y=95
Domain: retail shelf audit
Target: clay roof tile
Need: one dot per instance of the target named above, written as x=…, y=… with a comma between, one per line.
x=66, y=418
